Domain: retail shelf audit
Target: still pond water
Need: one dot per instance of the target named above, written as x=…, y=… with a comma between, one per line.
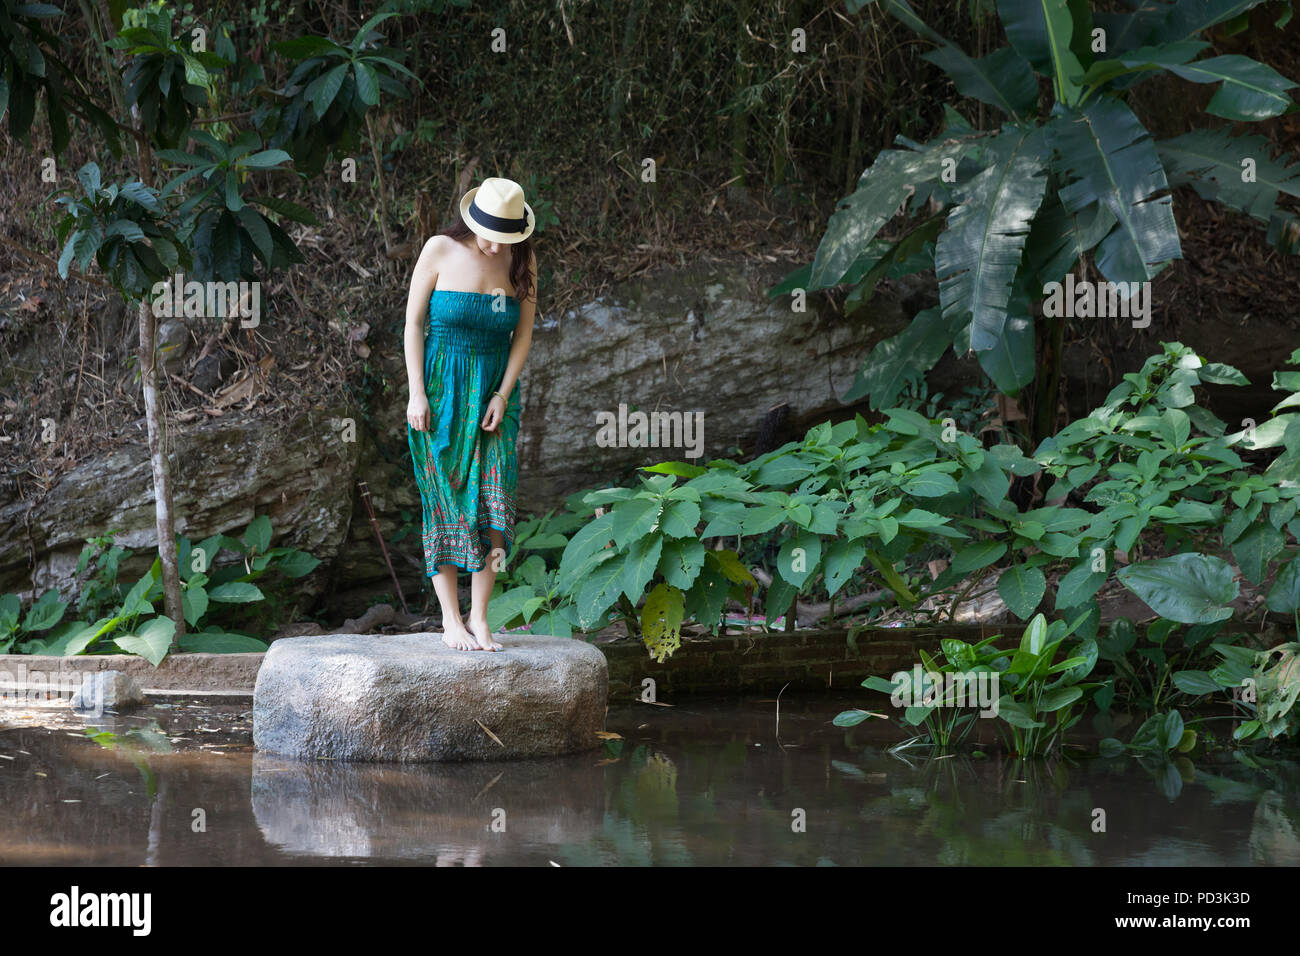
x=704, y=783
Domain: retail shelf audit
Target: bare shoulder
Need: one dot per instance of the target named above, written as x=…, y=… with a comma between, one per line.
x=437, y=248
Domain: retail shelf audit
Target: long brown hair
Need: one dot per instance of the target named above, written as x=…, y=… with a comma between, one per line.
x=520, y=256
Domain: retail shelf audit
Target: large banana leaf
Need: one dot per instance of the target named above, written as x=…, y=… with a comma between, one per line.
x=911, y=254
x=977, y=256
x=1010, y=363
x=881, y=191
x=1002, y=79
x=1189, y=17
x=1143, y=62
x=1058, y=239
x=1106, y=155
x=1250, y=90
x=1211, y=162
x=1042, y=32
x=907, y=355
x=1130, y=30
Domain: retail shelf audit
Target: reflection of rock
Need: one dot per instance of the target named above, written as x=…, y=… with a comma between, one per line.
x=409, y=697
x=1274, y=833
x=452, y=811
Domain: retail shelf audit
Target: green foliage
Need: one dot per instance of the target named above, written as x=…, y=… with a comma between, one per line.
x=1264, y=684
x=855, y=499
x=206, y=219
x=329, y=91
x=30, y=69
x=1039, y=698
x=123, y=228
x=229, y=232
x=167, y=80
x=1022, y=203
x=131, y=624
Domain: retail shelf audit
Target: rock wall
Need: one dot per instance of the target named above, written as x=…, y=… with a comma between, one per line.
x=701, y=340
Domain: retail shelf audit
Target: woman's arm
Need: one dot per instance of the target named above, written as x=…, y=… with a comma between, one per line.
x=520, y=342
x=423, y=279
x=522, y=339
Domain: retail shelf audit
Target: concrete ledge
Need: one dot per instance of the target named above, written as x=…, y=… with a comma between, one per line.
x=225, y=673
x=806, y=660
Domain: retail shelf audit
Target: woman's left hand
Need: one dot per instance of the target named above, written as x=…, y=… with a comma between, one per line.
x=495, y=412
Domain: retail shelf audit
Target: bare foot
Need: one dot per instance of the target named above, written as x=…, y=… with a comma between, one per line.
x=457, y=638
x=483, y=635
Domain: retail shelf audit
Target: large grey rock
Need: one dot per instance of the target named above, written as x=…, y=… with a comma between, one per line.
x=110, y=691
x=409, y=697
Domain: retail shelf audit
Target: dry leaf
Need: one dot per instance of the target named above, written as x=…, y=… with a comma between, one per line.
x=489, y=733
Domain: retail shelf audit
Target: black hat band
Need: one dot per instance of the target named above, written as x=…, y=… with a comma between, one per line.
x=496, y=223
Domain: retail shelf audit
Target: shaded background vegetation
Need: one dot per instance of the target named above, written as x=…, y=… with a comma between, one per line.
x=753, y=145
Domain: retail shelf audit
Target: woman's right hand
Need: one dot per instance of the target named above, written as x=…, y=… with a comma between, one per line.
x=417, y=413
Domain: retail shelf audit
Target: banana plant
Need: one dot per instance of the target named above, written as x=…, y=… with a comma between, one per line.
x=1000, y=213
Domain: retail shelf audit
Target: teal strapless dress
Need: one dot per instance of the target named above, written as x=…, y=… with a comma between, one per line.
x=466, y=475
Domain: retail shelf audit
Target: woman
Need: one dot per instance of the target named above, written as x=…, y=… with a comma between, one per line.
x=476, y=282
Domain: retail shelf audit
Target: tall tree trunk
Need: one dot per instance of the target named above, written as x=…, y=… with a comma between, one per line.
x=153, y=413
x=162, y=486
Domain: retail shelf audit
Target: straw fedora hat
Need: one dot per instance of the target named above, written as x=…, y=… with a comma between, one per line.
x=496, y=211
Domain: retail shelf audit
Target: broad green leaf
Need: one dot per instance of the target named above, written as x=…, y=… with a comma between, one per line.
x=977, y=256
x=1022, y=588
x=1254, y=549
x=296, y=564
x=152, y=641
x=1284, y=595
x=214, y=642
x=1107, y=156
x=661, y=621
x=633, y=520
x=600, y=588
x=1078, y=585
x=1196, y=683
x=978, y=555
x=681, y=561
x=880, y=191
x=639, y=566
x=236, y=592
x=800, y=557
x=1042, y=31
x=1189, y=588
x=843, y=557
x=194, y=603
x=589, y=539
x=1002, y=79
x=1250, y=90
x=322, y=91
x=1214, y=163
x=258, y=534
x=42, y=615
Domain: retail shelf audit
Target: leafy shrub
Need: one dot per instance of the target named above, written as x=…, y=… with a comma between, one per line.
x=1042, y=696
x=133, y=625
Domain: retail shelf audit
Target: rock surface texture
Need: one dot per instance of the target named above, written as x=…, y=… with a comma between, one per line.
x=110, y=691
x=410, y=698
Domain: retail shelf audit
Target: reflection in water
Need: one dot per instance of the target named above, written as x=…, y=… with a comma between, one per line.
x=455, y=812
x=704, y=783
